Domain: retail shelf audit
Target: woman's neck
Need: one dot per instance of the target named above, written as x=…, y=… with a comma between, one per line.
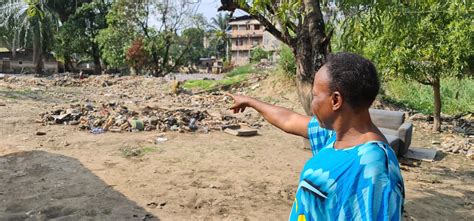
x=355, y=128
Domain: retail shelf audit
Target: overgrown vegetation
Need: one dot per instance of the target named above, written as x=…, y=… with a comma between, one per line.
x=245, y=69
x=257, y=54
x=422, y=41
x=287, y=62
x=234, y=77
x=457, y=95
x=114, y=35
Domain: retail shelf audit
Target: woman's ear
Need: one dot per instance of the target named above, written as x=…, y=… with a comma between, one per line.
x=336, y=100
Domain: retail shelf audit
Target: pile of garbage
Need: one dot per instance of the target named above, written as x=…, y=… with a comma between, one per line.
x=118, y=118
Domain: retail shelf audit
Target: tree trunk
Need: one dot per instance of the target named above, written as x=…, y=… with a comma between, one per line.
x=310, y=46
x=96, y=57
x=38, y=54
x=437, y=105
x=68, y=64
x=14, y=45
x=155, y=61
x=310, y=52
x=164, y=64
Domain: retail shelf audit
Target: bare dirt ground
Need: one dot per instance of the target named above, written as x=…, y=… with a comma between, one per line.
x=72, y=174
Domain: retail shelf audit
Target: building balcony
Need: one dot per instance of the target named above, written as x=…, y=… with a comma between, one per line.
x=244, y=47
x=246, y=33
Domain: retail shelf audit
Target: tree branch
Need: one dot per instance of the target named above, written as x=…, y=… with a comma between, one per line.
x=284, y=37
x=424, y=82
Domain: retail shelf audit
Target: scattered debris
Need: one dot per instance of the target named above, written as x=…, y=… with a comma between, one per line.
x=97, y=130
x=424, y=154
x=115, y=117
x=470, y=154
x=241, y=131
x=160, y=140
x=40, y=133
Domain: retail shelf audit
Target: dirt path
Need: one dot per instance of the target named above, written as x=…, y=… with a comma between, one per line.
x=191, y=176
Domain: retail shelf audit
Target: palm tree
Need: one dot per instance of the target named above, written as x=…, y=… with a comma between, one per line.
x=32, y=18
x=219, y=26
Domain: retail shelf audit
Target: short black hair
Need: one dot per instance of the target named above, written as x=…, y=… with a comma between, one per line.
x=355, y=77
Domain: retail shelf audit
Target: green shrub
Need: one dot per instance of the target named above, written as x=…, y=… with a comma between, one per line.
x=236, y=76
x=245, y=69
x=258, y=54
x=456, y=95
x=287, y=62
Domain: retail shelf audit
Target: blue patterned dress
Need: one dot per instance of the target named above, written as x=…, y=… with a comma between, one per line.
x=357, y=183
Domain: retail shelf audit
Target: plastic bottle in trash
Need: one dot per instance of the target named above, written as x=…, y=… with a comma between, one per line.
x=192, y=124
x=97, y=130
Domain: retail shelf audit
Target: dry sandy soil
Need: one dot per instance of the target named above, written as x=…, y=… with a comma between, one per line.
x=71, y=174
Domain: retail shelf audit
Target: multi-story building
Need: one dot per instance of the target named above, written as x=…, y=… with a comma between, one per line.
x=247, y=34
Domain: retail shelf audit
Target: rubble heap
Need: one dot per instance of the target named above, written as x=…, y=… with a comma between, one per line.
x=118, y=118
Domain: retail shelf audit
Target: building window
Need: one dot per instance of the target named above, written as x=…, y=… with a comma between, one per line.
x=255, y=42
x=257, y=27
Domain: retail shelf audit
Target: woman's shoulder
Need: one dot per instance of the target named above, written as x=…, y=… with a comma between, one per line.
x=373, y=151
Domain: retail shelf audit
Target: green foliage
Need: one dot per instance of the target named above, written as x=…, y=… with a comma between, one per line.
x=457, y=95
x=288, y=14
x=287, y=62
x=258, y=54
x=236, y=76
x=421, y=40
x=218, y=36
x=212, y=84
x=119, y=34
x=128, y=20
x=28, y=18
x=241, y=70
x=76, y=38
x=193, y=37
x=425, y=41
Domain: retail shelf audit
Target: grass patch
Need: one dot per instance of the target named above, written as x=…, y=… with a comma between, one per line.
x=19, y=94
x=200, y=84
x=236, y=76
x=456, y=95
x=241, y=70
x=137, y=151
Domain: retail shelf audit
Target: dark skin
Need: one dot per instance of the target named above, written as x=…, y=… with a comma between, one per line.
x=353, y=126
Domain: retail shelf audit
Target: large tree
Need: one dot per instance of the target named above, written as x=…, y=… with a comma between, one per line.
x=78, y=34
x=33, y=18
x=300, y=25
x=121, y=31
x=65, y=46
x=33, y=23
x=424, y=41
x=130, y=21
x=219, y=39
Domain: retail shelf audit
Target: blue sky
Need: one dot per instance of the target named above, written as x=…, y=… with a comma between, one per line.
x=209, y=9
